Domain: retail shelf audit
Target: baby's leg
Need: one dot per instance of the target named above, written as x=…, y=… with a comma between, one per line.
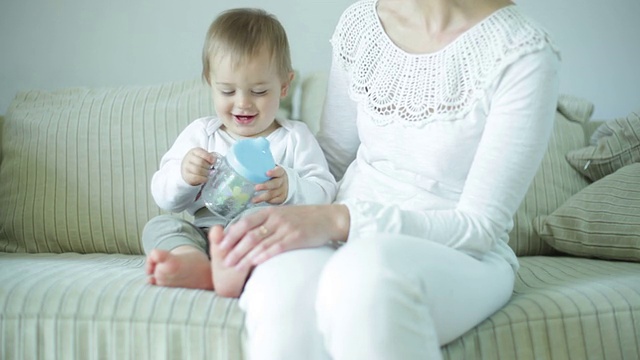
x=176, y=254
x=227, y=281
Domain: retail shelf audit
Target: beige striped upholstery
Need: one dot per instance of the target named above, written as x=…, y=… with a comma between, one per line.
x=562, y=308
x=72, y=306
x=78, y=162
x=602, y=220
x=614, y=144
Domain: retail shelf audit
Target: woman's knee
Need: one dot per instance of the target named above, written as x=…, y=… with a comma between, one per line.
x=278, y=301
x=355, y=272
x=286, y=281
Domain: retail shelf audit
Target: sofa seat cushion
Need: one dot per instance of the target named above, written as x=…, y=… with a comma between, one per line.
x=66, y=306
x=70, y=305
x=562, y=308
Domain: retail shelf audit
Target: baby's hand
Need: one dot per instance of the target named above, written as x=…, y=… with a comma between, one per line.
x=196, y=165
x=275, y=190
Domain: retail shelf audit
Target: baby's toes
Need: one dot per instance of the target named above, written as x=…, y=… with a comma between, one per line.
x=150, y=265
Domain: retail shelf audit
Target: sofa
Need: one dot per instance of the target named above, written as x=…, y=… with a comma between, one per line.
x=75, y=166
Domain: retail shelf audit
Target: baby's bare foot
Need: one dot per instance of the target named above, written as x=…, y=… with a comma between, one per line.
x=184, y=266
x=227, y=281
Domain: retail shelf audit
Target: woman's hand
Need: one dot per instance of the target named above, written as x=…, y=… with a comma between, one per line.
x=273, y=230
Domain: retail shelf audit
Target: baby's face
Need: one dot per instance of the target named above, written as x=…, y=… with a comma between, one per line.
x=247, y=94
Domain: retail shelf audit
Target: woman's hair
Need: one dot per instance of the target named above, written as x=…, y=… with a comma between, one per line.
x=244, y=33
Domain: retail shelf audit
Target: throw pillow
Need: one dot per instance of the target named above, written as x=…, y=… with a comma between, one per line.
x=614, y=145
x=601, y=221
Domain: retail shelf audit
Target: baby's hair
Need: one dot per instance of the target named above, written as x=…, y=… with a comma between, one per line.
x=243, y=33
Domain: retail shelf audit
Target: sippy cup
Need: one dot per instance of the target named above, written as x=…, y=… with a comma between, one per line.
x=233, y=178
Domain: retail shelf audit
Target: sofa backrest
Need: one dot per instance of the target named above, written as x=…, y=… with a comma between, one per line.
x=76, y=163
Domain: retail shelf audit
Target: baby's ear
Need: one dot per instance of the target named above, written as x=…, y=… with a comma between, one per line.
x=284, y=90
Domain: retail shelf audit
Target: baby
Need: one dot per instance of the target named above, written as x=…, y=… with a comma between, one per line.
x=247, y=63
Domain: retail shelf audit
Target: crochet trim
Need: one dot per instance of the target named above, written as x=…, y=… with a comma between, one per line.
x=416, y=89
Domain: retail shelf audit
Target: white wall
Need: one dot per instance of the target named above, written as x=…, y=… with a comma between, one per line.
x=600, y=45
x=51, y=44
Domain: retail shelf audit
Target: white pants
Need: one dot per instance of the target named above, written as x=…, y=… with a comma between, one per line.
x=386, y=297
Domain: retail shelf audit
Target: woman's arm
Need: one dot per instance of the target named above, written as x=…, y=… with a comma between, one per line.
x=513, y=143
x=338, y=134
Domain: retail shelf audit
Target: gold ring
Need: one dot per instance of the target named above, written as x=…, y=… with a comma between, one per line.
x=263, y=230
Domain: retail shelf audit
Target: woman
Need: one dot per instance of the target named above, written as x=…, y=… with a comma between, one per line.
x=437, y=115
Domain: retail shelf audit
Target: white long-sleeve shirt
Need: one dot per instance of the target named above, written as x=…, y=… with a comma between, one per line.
x=440, y=146
x=293, y=146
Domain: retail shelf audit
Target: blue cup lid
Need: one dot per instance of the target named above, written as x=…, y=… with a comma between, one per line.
x=251, y=158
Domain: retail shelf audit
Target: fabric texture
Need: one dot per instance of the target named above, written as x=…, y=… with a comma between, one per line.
x=614, y=144
x=602, y=220
x=167, y=232
x=394, y=86
x=73, y=306
x=65, y=306
x=78, y=163
x=562, y=308
x=555, y=181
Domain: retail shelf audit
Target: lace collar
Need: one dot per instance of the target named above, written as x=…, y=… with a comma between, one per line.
x=416, y=89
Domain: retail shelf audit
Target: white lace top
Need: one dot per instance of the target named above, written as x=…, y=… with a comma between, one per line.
x=416, y=89
x=446, y=143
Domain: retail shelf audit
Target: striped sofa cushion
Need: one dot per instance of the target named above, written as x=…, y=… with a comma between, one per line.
x=562, y=308
x=67, y=306
x=73, y=306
